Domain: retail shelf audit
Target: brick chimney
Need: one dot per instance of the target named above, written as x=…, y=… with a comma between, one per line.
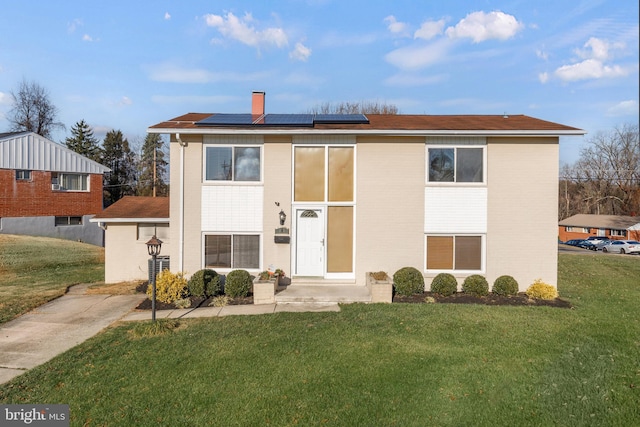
x=257, y=103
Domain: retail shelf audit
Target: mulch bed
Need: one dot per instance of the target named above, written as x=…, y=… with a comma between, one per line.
x=520, y=299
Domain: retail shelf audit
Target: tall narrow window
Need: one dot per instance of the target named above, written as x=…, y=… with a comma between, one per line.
x=309, y=174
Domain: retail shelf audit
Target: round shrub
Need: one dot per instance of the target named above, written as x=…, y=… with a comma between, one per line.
x=444, y=284
x=541, y=290
x=408, y=281
x=505, y=285
x=169, y=287
x=475, y=285
x=238, y=284
x=204, y=283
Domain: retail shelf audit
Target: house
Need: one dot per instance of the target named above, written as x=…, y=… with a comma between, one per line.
x=128, y=225
x=615, y=227
x=48, y=190
x=333, y=196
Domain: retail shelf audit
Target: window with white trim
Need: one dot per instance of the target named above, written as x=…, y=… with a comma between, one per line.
x=232, y=251
x=454, y=252
x=69, y=181
x=233, y=163
x=147, y=231
x=619, y=233
x=455, y=164
x=23, y=175
x=68, y=220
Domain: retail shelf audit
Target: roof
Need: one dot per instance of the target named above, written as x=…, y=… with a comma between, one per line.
x=136, y=209
x=602, y=221
x=499, y=125
x=30, y=151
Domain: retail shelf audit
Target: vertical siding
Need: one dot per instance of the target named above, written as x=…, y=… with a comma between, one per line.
x=523, y=209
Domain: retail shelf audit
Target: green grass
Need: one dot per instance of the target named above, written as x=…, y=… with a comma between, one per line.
x=373, y=365
x=34, y=270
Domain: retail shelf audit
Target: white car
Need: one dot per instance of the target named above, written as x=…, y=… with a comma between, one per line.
x=622, y=247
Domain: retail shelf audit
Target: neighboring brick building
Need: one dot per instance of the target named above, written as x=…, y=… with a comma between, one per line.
x=48, y=190
x=615, y=227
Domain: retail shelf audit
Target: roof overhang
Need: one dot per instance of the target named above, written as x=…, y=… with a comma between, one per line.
x=130, y=220
x=377, y=132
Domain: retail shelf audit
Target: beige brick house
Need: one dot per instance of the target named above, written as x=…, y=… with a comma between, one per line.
x=364, y=193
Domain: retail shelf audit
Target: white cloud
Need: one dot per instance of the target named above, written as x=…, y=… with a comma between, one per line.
x=167, y=16
x=73, y=25
x=300, y=52
x=598, y=49
x=429, y=30
x=240, y=29
x=481, y=26
x=396, y=27
x=173, y=74
x=419, y=56
x=543, y=77
x=589, y=69
x=624, y=108
x=87, y=38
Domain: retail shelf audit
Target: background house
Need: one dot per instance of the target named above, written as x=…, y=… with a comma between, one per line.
x=615, y=227
x=129, y=223
x=48, y=190
x=364, y=193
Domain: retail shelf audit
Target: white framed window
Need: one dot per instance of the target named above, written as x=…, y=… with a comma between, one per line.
x=568, y=229
x=452, y=252
x=69, y=181
x=62, y=221
x=232, y=163
x=456, y=164
x=232, y=251
x=147, y=231
x=23, y=175
x=601, y=232
x=619, y=233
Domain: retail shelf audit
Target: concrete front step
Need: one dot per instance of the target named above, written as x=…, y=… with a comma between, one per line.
x=322, y=294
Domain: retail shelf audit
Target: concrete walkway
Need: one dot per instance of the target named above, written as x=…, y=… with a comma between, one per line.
x=59, y=325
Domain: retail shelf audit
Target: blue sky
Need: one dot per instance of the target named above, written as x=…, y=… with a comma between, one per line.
x=130, y=64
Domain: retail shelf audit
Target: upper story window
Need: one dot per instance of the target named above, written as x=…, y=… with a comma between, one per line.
x=324, y=174
x=23, y=175
x=455, y=164
x=239, y=164
x=69, y=181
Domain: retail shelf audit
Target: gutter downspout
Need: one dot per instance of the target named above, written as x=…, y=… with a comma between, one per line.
x=181, y=213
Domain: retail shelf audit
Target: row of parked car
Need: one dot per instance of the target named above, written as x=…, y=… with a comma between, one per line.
x=604, y=244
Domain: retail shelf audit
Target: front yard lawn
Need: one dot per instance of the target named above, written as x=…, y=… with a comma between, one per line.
x=376, y=364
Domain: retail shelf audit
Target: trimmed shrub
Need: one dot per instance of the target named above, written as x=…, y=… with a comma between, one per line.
x=408, y=281
x=204, y=283
x=182, y=303
x=238, y=283
x=475, y=285
x=169, y=287
x=541, y=290
x=444, y=284
x=505, y=285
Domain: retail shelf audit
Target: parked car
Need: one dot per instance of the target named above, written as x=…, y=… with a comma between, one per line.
x=581, y=243
x=573, y=242
x=622, y=247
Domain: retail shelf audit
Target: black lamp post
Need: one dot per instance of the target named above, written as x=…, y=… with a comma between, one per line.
x=153, y=246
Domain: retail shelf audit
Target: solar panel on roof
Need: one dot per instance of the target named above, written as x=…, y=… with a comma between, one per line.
x=340, y=118
x=288, y=120
x=227, y=120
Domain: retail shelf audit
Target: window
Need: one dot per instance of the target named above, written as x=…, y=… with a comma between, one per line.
x=568, y=229
x=619, y=233
x=454, y=253
x=68, y=220
x=324, y=174
x=69, y=181
x=232, y=251
x=456, y=164
x=232, y=164
x=147, y=231
x=23, y=175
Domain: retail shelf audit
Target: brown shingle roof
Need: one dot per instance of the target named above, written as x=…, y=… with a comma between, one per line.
x=601, y=221
x=500, y=123
x=137, y=207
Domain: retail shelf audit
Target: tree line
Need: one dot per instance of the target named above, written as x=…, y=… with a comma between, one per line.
x=142, y=174
x=605, y=180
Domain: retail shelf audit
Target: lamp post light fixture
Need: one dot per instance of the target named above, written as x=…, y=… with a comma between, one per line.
x=153, y=246
x=283, y=217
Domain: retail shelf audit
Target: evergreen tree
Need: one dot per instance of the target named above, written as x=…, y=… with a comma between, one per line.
x=83, y=142
x=118, y=157
x=152, y=155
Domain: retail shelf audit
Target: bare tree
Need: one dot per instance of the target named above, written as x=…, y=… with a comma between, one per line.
x=33, y=111
x=365, y=107
x=606, y=178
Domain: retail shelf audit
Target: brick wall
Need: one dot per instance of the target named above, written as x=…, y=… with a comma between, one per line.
x=35, y=197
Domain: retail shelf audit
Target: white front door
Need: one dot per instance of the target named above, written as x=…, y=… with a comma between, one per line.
x=309, y=242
